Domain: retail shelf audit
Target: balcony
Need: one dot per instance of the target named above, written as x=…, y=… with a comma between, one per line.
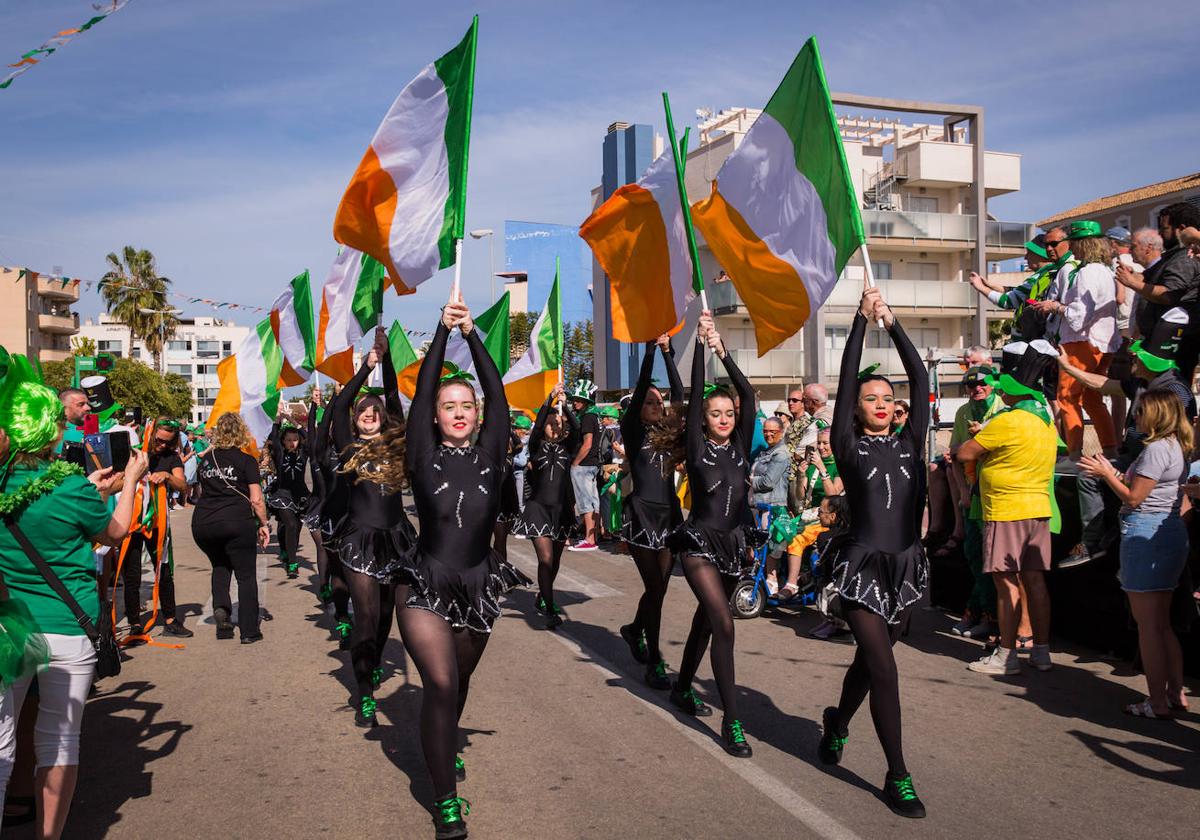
x=924, y=229
x=780, y=365
x=54, y=354
x=930, y=297
x=49, y=287
x=58, y=324
x=940, y=165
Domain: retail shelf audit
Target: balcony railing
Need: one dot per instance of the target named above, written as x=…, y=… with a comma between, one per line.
x=943, y=227
x=50, y=287
x=59, y=324
x=902, y=294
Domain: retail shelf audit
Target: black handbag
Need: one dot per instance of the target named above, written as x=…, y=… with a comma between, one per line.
x=104, y=640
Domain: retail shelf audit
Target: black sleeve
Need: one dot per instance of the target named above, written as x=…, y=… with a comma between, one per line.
x=695, y=416
x=673, y=375
x=631, y=423
x=1178, y=279
x=249, y=470
x=310, y=432
x=275, y=440
x=423, y=410
x=538, y=431
x=172, y=462
x=391, y=389
x=342, y=433
x=918, y=388
x=493, y=438
x=841, y=432
x=746, y=398
x=573, y=422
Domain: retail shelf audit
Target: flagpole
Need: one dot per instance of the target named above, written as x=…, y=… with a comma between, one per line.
x=678, y=152
x=862, y=249
x=454, y=289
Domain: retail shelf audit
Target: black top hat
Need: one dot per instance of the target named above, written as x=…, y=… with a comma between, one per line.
x=1022, y=366
x=99, y=394
x=1158, y=351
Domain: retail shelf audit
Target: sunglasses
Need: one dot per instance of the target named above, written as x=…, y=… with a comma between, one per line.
x=1050, y=243
x=899, y=412
x=795, y=399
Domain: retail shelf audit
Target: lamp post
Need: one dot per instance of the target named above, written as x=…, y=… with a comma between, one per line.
x=162, y=332
x=491, y=238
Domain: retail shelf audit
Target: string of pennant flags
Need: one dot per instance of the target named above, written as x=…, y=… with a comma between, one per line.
x=88, y=285
x=52, y=45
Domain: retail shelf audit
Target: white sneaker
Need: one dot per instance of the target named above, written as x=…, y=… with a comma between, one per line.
x=960, y=629
x=1000, y=662
x=1039, y=658
x=980, y=631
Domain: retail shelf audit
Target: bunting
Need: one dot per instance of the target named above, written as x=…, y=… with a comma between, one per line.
x=53, y=45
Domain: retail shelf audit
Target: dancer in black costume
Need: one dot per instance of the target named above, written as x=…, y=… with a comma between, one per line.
x=549, y=516
x=289, y=496
x=652, y=511
x=326, y=508
x=715, y=542
x=457, y=577
x=879, y=568
x=375, y=538
x=510, y=505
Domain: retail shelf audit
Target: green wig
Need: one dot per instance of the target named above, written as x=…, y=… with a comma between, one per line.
x=29, y=414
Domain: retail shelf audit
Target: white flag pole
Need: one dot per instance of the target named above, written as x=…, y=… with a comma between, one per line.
x=862, y=249
x=454, y=289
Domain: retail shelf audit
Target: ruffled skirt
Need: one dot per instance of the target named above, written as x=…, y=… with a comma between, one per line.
x=882, y=582
x=510, y=506
x=541, y=520
x=649, y=524
x=283, y=499
x=732, y=551
x=467, y=598
x=383, y=553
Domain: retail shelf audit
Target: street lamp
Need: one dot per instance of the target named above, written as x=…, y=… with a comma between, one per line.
x=491, y=238
x=162, y=331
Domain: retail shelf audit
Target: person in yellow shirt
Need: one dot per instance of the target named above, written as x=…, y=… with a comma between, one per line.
x=1014, y=456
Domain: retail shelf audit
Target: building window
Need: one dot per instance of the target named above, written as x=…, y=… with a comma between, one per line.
x=112, y=348
x=208, y=349
x=182, y=370
x=206, y=370
x=135, y=353
x=923, y=271
x=882, y=269
x=923, y=203
x=226, y=348
x=922, y=338
x=179, y=346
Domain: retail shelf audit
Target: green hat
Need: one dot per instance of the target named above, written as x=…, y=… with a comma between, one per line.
x=1084, y=230
x=584, y=390
x=610, y=411
x=1158, y=351
x=1033, y=247
x=522, y=421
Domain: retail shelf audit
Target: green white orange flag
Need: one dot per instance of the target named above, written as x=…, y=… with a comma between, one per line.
x=351, y=305
x=405, y=205
x=295, y=332
x=249, y=382
x=533, y=376
x=782, y=219
x=639, y=237
x=492, y=325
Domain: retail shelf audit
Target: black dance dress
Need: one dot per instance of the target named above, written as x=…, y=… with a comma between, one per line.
x=510, y=505
x=880, y=564
x=652, y=510
x=373, y=536
x=455, y=572
x=290, y=490
x=550, y=508
x=720, y=528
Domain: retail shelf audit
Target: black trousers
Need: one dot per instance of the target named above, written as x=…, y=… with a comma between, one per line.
x=131, y=575
x=232, y=548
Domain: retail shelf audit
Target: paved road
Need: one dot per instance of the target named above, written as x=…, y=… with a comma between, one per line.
x=563, y=740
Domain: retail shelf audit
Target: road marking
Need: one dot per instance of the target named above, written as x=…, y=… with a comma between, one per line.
x=819, y=821
x=567, y=580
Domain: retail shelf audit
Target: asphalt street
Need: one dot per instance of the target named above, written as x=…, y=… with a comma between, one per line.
x=563, y=739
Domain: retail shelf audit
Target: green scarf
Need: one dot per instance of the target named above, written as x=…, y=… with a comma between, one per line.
x=1035, y=407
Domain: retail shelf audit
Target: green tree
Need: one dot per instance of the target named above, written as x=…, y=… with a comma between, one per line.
x=577, y=351
x=82, y=345
x=134, y=385
x=520, y=325
x=132, y=284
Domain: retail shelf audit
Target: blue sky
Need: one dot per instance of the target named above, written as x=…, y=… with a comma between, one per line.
x=221, y=134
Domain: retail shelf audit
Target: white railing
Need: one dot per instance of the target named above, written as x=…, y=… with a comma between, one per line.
x=953, y=227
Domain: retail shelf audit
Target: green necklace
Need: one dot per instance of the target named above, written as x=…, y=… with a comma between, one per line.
x=14, y=503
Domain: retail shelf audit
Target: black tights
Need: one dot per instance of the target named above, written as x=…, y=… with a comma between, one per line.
x=500, y=538
x=549, y=557
x=655, y=568
x=289, y=534
x=373, y=606
x=445, y=659
x=874, y=671
x=712, y=619
x=329, y=571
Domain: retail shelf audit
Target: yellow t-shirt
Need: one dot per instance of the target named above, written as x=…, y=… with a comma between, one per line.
x=1014, y=478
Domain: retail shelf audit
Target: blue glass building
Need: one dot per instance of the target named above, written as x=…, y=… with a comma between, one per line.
x=531, y=247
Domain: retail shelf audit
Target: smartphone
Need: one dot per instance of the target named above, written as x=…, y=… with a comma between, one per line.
x=97, y=452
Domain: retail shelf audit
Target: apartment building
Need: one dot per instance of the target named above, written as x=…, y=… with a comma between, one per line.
x=1132, y=209
x=927, y=228
x=35, y=313
x=199, y=344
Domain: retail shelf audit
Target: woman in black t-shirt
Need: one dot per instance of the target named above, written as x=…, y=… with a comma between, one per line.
x=230, y=514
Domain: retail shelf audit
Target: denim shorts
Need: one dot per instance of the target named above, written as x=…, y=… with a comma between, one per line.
x=1154, y=550
x=587, y=494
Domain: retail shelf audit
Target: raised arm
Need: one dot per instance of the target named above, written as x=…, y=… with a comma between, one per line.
x=391, y=389
x=673, y=374
x=423, y=410
x=695, y=414
x=340, y=429
x=274, y=440
x=746, y=398
x=493, y=438
x=632, y=428
x=539, y=425
x=918, y=387
x=841, y=431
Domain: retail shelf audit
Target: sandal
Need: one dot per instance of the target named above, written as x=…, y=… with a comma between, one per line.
x=1178, y=707
x=1025, y=643
x=787, y=592
x=1145, y=710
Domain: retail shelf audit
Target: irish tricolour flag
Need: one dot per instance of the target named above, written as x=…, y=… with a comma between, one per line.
x=351, y=304
x=782, y=218
x=405, y=205
x=533, y=376
x=294, y=330
x=248, y=382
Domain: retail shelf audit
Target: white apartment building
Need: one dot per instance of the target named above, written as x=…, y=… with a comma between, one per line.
x=921, y=212
x=199, y=344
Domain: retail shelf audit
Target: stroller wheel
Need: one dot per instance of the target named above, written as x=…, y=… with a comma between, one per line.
x=748, y=599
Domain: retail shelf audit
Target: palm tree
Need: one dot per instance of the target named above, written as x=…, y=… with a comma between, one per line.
x=131, y=286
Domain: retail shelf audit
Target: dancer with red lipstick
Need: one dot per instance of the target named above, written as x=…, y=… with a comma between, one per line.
x=714, y=543
x=879, y=568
